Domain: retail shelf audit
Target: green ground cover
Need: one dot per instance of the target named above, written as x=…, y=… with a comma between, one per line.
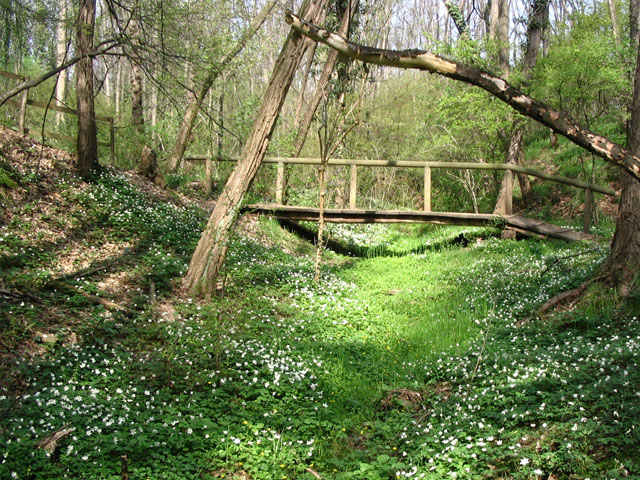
x=427, y=364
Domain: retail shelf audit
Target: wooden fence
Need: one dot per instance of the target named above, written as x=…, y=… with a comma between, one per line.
x=24, y=101
x=509, y=171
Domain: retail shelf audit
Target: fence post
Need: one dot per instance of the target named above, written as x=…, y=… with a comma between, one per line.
x=508, y=198
x=588, y=207
x=353, y=186
x=23, y=111
x=280, y=183
x=427, y=189
x=112, y=141
x=207, y=176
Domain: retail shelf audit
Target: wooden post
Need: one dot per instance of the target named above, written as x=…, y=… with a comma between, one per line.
x=207, y=176
x=23, y=111
x=112, y=141
x=508, y=198
x=280, y=184
x=427, y=189
x=588, y=207
x=353, y=187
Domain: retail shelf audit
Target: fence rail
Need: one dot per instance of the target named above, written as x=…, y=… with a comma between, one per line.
x=25, y=101
x=509, y=171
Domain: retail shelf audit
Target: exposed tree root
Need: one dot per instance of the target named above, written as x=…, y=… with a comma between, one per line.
x=571, y=298
x=313, y=473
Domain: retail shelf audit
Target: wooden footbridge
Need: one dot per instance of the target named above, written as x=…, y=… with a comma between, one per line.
x=505, y=220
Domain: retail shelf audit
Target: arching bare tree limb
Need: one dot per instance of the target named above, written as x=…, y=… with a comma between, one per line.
x=528, y=106
x=103, y=48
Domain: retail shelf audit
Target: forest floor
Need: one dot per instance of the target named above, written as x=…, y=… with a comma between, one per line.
x=423, y=359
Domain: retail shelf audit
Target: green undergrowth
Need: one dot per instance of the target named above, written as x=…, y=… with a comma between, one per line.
x=430, y=364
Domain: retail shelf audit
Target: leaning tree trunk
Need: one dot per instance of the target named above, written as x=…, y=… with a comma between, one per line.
x=87, y=141
x=422, y=60
x=321, y=88
x=211, y=251
x=191, y=113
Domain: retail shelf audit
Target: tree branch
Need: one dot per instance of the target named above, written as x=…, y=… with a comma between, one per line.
x=498, y=87
x=103, y=47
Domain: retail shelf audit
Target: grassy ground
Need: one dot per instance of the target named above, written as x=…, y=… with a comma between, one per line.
x=425, y=363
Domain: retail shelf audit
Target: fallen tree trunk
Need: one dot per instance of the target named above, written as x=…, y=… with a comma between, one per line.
x=528, y=106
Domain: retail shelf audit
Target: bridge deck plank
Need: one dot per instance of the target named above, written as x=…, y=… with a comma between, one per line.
x=521, y=224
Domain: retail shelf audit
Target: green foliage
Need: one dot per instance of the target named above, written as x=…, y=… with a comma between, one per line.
x=280, y=375
x=584, y=73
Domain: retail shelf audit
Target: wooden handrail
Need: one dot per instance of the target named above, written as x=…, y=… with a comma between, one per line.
x=24, y=101
x=421, y=164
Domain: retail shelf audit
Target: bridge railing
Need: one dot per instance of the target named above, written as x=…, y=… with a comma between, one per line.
x=509, y=171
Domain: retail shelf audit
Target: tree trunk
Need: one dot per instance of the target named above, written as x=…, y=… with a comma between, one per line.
x=61, y=53
x=118, y=87
x=87, y=141
x=513, y=154
x=503, y=37
x=494, y=13
x=535, y=29
x=614, y=22
x=456, y=14
x=211, y=251
x=137, y=111
x=194, y=105
x=622, y=267
x=321, y=88
x=134, y=31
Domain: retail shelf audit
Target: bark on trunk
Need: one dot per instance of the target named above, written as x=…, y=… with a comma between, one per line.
x=513, y=158
x=622, y=266
x=503, y=37
x=137, y=110
x=501, y=89
x=212, y=247
x=194, y=105
x=494, y=13
x=118, y=87
x=614, y=22
x=61, y=53
x=87, y=141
